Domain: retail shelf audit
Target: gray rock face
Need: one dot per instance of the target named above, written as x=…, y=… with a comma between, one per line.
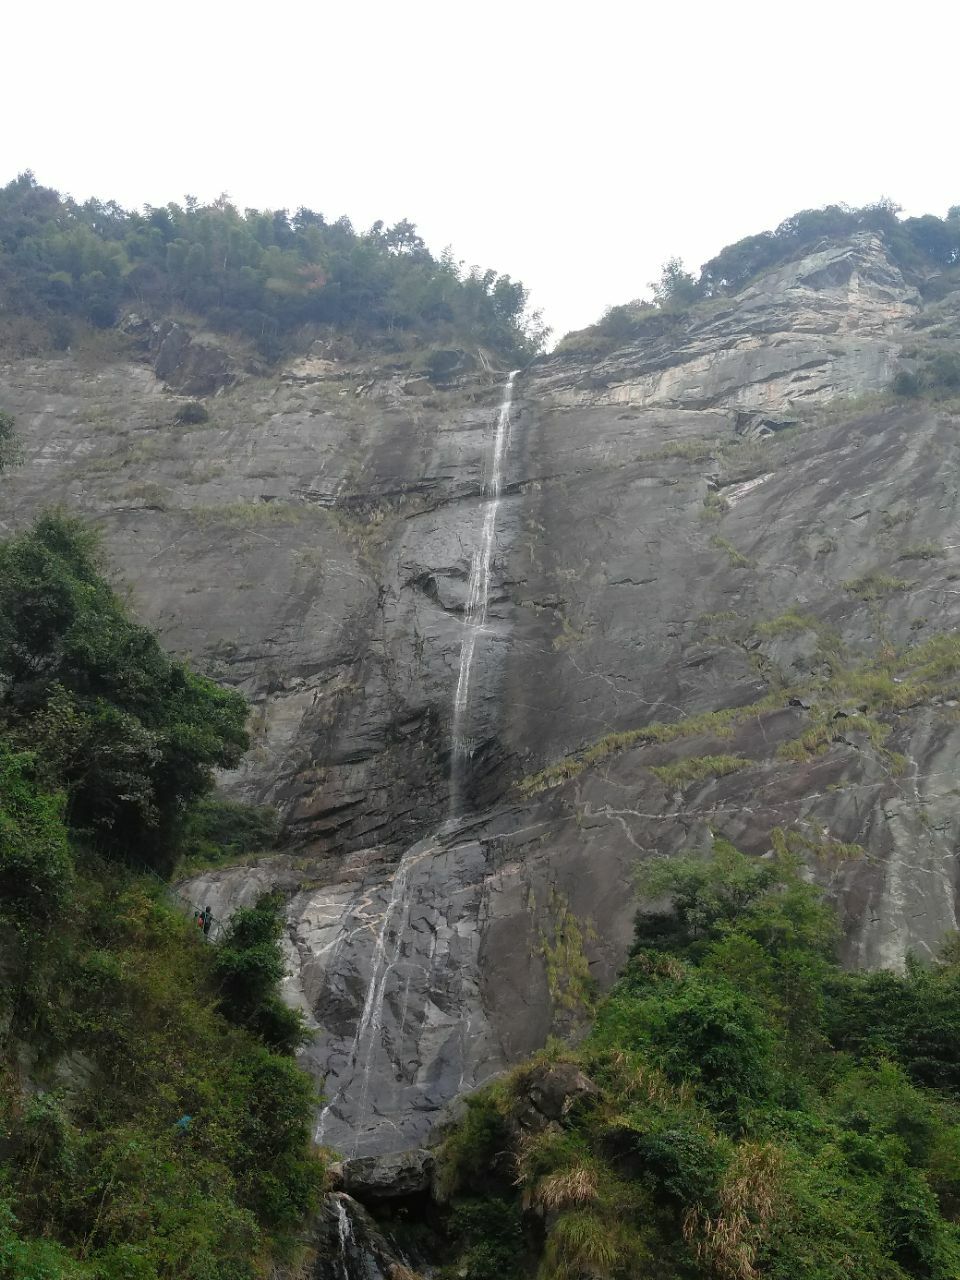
x=389, y=1177
x=550, y=1093
x=348, y=1245
x=665, y=549
x=810, y=330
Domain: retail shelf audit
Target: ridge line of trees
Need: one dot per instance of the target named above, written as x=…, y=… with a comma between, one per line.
x=264, y=274
x=918, y=246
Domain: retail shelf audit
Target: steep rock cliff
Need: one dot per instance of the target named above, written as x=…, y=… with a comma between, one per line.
x=712, y=532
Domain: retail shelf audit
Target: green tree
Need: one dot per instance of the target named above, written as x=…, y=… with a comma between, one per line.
x=249, y=964
x=259, y=273
x=676, y=286
x=707, y=899
x=9, y=444
x=131, y=734
x=36, y=869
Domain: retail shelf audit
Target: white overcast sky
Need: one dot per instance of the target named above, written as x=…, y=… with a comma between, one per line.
x=573, y=145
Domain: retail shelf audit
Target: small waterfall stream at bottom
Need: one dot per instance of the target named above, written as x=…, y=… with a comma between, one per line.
x=393, y=924
x=345, y=1235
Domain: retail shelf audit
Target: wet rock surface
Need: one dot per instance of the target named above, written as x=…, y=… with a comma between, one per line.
x=348, y=1245
x=311, y=544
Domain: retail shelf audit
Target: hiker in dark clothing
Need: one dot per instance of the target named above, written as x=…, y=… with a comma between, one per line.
x=207, y=921
x=201, y=920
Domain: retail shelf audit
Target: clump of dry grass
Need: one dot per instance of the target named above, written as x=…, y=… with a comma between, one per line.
x=729, y=1242
x=581, y=1244
x=639, y=1082
x=567, y=1189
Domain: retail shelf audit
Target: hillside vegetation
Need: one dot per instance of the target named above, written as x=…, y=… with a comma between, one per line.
x=924, y=246
x=152, y=1123
x=742, y=1108
x=269, y=275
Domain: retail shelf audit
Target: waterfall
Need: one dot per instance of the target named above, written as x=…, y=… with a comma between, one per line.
x=478, y=594
x=345, y=1236
x=386, y=953
x=390, y=930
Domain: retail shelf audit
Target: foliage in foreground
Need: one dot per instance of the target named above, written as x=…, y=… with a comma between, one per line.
x=113, y=1013
x=760, y=1113
x=149, y=1129
x=249, y=966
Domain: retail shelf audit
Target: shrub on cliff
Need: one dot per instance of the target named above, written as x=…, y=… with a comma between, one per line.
x=759, y=1113
x=250, y=967
x=9, y=448
x=35, y=865
x=216, y=830
x=148, y=1128
x=130, y=734
x=938, y=376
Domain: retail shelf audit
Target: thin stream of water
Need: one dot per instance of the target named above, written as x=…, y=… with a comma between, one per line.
x=478, y=595
x=345, y=1233
x=389, y=938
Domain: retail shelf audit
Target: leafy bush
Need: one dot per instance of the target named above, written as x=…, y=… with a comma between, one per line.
x=702, y=1032
x=249, y=964
x=9, y=447
x=130, y=734
x=905, y=383
x=125, y=988
x=762, y=1115
x=469, y=1154
x=36, y=869
x=939, y=375
x=192, y=413
x=491, y=1239
x=215, y=830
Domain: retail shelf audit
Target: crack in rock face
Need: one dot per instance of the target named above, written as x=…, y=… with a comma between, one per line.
x=689, y=525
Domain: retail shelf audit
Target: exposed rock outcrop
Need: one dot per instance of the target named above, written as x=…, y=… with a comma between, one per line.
x=826, y=325
x=689, y=526
x=550, y=1092
x=194, y=364
x=388, y=1177
x=348, y=1245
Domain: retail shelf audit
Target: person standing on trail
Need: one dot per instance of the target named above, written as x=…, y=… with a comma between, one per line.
x=207, y=916
x=201, y=920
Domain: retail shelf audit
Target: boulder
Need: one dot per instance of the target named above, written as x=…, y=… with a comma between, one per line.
x=388, y=1177
x=190, y=365
x=550, y=1093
